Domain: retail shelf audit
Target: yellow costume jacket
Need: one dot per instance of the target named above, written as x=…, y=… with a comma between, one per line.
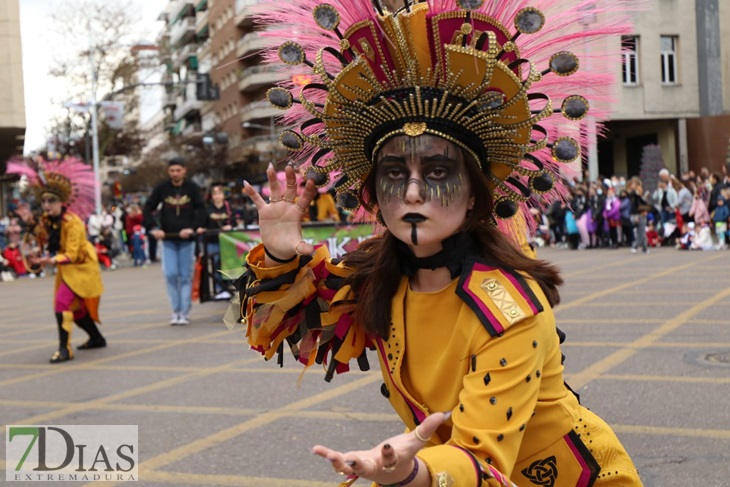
x=77, y=264
x=498, y=369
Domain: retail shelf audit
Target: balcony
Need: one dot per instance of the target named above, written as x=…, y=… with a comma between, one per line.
x=201, y=23
x=204, y=52
x=192, y=133
x=257, y=77
x=244, y=12
x=258, y=110
x=187, y=104
x=169, y=101
x=182, y=32
x=251, y=42
x=187, y=107
x=181, y=57
x=180, y=8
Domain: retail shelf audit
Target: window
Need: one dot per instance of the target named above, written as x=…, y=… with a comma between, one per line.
x=668, y=47
x=630, y=58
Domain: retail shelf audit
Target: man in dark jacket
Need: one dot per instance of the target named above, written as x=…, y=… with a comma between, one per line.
x=181, y=214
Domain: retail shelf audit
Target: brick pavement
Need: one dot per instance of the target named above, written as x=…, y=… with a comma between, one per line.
x=210, y=412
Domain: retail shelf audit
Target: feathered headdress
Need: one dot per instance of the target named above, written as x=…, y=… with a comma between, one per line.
x=70, y=179
x=487, y=75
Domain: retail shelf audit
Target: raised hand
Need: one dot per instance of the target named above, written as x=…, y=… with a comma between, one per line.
x=280, y=220
x=392, y=461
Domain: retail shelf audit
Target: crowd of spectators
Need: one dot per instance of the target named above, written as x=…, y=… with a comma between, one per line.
x=690, y=212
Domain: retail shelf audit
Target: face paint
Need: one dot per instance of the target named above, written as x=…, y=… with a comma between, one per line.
x=440, y=176
x=422, y=190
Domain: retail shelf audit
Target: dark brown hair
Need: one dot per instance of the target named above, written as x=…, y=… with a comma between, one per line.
x=377, y=269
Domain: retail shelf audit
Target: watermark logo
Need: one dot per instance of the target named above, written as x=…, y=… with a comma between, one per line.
x=71, y=453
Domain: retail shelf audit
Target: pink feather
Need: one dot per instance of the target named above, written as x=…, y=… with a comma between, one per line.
x=83, y=182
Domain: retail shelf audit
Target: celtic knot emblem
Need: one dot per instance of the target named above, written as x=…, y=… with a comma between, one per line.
x=542, y=472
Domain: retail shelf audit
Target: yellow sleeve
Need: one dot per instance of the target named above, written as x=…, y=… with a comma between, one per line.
x=452, y=465
x=305, y=303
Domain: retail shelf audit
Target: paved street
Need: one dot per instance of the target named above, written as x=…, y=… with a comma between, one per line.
x=648, y=349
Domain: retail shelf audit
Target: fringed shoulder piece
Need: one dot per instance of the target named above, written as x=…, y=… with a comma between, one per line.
x=307, y=304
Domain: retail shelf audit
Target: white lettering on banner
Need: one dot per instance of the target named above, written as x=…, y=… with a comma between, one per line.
x=337, y=246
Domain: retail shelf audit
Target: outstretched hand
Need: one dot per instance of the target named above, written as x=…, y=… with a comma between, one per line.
x=280, y=220
x=391, y=461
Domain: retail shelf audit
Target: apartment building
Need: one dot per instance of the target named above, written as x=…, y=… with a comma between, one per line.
x=211, y=45
x=675, y=89
x=12, y=102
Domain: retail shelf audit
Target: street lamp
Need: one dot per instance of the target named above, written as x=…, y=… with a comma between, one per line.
x=250, y=125
x=588, y=17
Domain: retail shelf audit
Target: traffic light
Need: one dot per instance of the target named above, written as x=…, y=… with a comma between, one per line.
x=204, y=88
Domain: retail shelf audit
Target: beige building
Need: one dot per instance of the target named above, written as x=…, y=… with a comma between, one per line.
x=675, y=89
x=12, y=102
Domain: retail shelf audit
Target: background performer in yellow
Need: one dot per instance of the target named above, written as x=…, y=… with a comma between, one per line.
x=65, y=191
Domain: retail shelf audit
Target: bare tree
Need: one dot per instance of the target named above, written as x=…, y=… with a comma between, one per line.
x=98, y=34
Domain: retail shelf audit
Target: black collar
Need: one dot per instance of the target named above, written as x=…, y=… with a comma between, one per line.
x=456, y=249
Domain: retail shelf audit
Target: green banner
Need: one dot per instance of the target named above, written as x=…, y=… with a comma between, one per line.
x=339, y=239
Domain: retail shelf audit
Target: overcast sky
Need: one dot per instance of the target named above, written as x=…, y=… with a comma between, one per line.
x=43, y=93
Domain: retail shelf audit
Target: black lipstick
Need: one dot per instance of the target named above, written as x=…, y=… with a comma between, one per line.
x=414, y=219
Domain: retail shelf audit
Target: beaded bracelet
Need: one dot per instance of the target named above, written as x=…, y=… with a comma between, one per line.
x=408, y=479
x=276, y=259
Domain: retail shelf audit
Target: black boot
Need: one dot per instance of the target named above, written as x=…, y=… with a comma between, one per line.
x=65, y=325
x=95, y=339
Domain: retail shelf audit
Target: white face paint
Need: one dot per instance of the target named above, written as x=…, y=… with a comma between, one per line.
x=423, y=190
x=51, y=204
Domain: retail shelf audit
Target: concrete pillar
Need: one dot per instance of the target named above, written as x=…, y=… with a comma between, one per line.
x=709, y=58
x=682, y=143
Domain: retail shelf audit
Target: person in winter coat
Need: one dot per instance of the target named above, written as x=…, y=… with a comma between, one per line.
x=627, y=226
x=612, y=217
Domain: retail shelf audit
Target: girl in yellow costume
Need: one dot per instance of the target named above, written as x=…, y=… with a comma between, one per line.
x=432, y=125
x=65, y=190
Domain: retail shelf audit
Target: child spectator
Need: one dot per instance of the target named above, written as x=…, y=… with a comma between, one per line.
x=641, y=229
x=652, y=236
x=15, y=260
x=703, y=238
x=134, y=218
x=102, y=252
x=720, y=217
x=698, y=211
x=139, y=246
x=5, y=272
x=571, y=229
x=686, y=240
